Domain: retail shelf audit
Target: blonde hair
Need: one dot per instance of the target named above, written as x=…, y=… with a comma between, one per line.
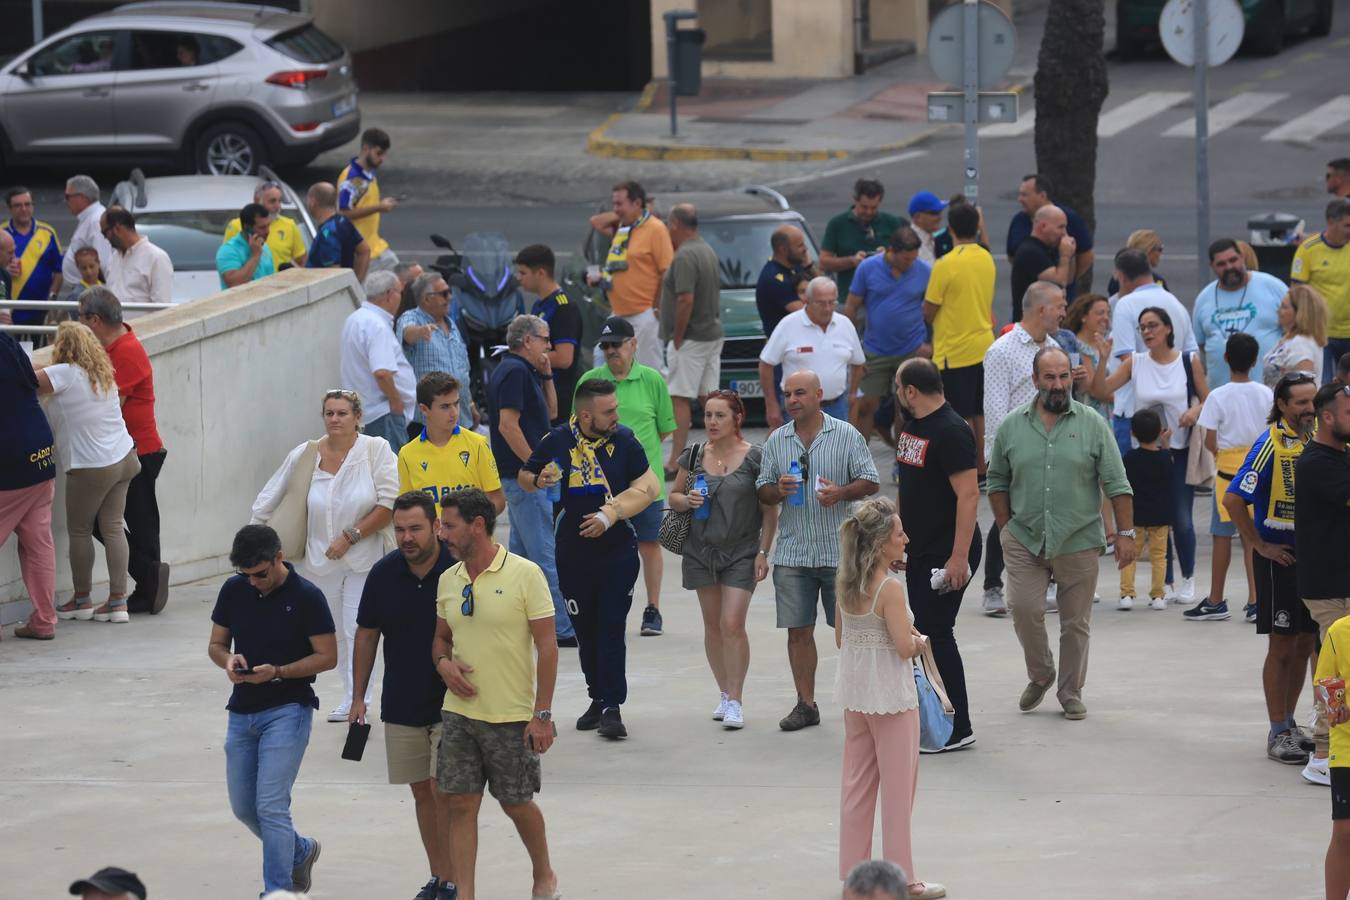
x=1145, y=239
x=1310, y=312
x=76, y=345
x=861, y=538
x=1248, y=256
x=351, y=397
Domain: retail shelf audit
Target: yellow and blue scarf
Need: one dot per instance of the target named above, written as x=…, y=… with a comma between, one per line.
x=586, y=475
x=1285, y=446
x=617, y=258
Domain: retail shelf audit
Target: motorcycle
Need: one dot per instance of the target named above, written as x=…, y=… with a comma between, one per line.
x=485, y=297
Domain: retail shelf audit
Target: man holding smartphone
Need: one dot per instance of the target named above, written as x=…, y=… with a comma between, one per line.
x=272, y=634
x=246, y=256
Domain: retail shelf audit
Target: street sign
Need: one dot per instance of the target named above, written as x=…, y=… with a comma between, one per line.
x=994, y=107
x=995, y=46
x=1177, y=27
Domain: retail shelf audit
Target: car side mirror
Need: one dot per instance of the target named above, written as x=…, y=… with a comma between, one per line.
x=24, y=71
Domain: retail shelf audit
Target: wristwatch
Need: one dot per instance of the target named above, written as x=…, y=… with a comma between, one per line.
x=352, y=534
x=1126, y=532
x=277, y=676
x=544, y=715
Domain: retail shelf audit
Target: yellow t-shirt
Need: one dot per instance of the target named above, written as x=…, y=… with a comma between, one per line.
x=465, y=461
x=962, y=287
x=1327, y=269
x=1335, y=660
x=284, y=239
x=357, y=189
x=496, y=639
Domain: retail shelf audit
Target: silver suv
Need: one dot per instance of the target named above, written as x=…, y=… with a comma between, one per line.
x=219, y=88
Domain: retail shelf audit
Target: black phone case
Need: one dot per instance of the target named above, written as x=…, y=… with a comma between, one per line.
x=356, y=741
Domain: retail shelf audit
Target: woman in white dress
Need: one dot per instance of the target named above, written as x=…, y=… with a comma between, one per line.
x=1303, y=316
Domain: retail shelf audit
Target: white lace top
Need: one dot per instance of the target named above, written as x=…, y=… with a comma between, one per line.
x=872, y=676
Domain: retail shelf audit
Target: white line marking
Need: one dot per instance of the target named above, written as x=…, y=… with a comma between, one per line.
x=1132, y=112
x=1026, y=121
x=1307, y=127
x=1228, y=113
x=855, y=167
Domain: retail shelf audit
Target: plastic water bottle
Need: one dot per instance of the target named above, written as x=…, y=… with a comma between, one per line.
x=799, y=498
x=555, y=489
x=701, y=486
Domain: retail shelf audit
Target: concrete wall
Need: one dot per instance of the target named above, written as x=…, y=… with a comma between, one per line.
x=811, y=39
x=238, y=377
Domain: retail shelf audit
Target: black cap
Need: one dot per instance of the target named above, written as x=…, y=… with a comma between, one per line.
x=616, y=330
x=111, y=880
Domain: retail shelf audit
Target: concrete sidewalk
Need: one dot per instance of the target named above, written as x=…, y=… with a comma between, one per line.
x=112, y=751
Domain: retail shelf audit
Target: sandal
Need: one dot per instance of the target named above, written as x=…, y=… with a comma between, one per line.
x=75, y=609
x=24, y=630
x=113, y=611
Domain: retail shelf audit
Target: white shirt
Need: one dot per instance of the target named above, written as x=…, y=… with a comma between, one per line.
x=927, y=251
x=86, y=234
x=1008, y=381
x=1162, y=386
x=90, y=433
x=1285, y=356
x=367, y=478
x=369, y=345
x=798, y=343
x=1126, y=337
x=143, y=274
x=1236, y=413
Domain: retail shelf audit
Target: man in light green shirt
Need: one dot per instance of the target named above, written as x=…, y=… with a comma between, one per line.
x=1051, y=460
x=646, y=408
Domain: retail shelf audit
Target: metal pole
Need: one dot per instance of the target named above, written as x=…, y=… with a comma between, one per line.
x=970, y=87
x=37, y=21
x=1201, y=8
x=671, y=84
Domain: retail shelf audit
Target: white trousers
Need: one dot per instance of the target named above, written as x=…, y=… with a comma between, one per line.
x=343, y=590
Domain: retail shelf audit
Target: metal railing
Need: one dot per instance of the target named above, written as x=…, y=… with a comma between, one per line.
x=63, y=304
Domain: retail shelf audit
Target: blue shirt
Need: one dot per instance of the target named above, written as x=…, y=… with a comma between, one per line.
x=1252, y=483
x=334, y=245
x=776, y=288
x=564, y=327
x=35, y=283
x=445, y=352
x=402, y=608
x=272, y=630
x=235, y=253
x=1219, y=314
x=515, y=385
x=895, y=325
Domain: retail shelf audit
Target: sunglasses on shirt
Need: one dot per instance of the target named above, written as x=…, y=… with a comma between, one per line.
x=466, y=608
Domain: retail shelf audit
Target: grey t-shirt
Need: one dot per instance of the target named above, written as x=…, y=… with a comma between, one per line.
x=693, y=270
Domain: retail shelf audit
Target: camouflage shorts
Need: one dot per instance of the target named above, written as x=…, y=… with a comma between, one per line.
x=475, y=753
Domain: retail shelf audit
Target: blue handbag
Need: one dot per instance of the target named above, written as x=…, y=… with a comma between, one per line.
x=935, y=710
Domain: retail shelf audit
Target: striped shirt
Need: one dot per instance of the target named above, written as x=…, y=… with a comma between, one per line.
x=445, y=352
x=808, y=535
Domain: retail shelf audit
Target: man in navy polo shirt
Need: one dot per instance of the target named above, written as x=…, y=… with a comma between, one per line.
x=399, y=601
x=776, y=289
x=272, y=633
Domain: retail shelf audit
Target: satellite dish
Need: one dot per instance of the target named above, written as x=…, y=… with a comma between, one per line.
x=947, y=44
x=1176, y=27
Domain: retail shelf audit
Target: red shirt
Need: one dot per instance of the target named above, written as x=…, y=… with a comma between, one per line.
x=136, y=385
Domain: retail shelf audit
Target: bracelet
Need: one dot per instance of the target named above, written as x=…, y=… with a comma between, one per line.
x=764, y=552
x=437, y=664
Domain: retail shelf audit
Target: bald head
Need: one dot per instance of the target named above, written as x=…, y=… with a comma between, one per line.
x=321, y=196
x=788, y=245
x=1049, y=224
x=802, y=395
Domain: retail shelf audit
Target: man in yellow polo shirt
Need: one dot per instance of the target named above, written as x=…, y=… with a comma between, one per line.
x=958, y=304
x=445, y=457
x=359, y=196
x=284, y=238
x=495, y=612
x=1323, y=261
x=638, y=257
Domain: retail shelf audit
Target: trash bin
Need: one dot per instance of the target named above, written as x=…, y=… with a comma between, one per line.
x=1274, y=239
x=687, y=64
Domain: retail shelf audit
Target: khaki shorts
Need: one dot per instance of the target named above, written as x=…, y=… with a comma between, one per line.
x=879, y=379
x=411, y=752
x=695, y=369
x=474, y=754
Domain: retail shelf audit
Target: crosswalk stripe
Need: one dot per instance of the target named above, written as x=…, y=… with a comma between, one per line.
x=1025, y=122
x=1132, y=112
x=1228, y=113
x=1310, y=125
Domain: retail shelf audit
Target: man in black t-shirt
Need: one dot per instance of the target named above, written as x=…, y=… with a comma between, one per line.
x=534, y=270
x=1047, y=255
x=939, y=496
x=1322, y=534
x=399, y=602
x=272, y=633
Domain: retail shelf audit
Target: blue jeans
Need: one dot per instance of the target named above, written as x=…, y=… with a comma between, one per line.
x=1335, y=349
x=838, y=407
x=1183, y=528
x=532, y=538
x=393, y=428
x=1120, y=427
x=263, y=752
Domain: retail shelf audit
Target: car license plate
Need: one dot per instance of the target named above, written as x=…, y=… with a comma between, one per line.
x=748, y=388
x=344, y=106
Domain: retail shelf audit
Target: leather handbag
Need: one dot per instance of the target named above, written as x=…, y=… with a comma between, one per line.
x=290, y=520
x=675, y=525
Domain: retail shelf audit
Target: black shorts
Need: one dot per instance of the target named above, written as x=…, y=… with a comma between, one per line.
x=1279, y=609
x=1340, y=792
x=964, y=388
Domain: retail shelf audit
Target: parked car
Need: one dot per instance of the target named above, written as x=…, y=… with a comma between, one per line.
x=186, y=215
x=1269, y=22
x=218, y=88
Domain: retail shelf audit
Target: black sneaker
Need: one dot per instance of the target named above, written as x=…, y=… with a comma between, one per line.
x=651, y=621
x=953, y=743
x=802, y=715
x=1249, y=612
x=611, y=724
x=447, y=891
x=590, y=719
x=1204, y=611
x=429, y=890
x=302, y=875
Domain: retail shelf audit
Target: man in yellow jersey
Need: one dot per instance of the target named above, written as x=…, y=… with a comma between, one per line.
x=1323, y=261
x=35, y=272
x=445, y=457
x=359, y=196
x=284, y=239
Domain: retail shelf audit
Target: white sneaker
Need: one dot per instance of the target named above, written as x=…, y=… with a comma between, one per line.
x=1186, y=592
x=1169, y=593
x=1051, y=598
x=339, y=714
x=994, y=604
x=1157, y=603
x=1125, y=603
x=735, y=716
x=720, y=713
x=1316, y=772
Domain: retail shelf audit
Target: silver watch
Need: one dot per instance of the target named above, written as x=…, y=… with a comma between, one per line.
x=544, y=715
x=1126, y=532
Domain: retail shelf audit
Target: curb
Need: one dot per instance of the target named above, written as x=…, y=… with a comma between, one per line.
x=599, y=143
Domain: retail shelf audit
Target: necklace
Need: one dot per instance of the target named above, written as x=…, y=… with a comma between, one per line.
x=719, y=464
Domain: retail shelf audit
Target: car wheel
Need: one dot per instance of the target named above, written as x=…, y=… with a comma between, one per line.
x=230, y=149
x=1321, y=26
x=1267, y=28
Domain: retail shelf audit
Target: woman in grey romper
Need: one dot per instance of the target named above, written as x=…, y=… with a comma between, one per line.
x=726, y=554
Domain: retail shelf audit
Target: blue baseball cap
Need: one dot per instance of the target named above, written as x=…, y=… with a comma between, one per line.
x=925, y=201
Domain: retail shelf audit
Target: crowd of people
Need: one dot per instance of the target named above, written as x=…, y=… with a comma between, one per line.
x=1089, y=421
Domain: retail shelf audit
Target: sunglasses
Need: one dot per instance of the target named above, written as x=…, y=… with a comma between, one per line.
x=1301, y=377
x=466, y=608
x=805, y=463
x=260, y=575
x=340, y=393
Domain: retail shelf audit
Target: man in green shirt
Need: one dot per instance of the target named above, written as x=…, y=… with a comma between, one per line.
x=1050, y=462
x=857, y=232
x=646, y=408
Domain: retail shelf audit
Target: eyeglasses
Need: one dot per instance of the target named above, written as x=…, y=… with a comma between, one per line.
x=267, y=186
x=444, y=293
x=466, y=608
x=1149, y=326
x=260, y=575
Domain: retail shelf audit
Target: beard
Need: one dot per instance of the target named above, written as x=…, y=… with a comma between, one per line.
x=1232, y=278
x=1341, y=437
x=1055, y=400
x=1307, y=426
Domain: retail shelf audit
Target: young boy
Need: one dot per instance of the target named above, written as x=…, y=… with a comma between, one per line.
x=86, y=260
x=1149, y=468
x=1334, y=661
x=1234, y=416
x=445, y=457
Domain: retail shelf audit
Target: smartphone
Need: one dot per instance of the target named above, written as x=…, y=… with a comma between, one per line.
x=355, y=747
x=239, y=670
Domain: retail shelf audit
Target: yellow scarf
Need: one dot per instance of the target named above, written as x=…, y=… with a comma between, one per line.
x=1285, y=446
x=617, y=258
x=587, y=477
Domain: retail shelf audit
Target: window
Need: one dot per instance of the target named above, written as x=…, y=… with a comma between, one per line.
x=178, y=50
x=742, y=247
x=307, y=44
x=738, y=30
x=92, y=51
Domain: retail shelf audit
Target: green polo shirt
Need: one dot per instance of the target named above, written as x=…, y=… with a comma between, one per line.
x=845, y=236
x=1052, y=480
x=645, y=407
